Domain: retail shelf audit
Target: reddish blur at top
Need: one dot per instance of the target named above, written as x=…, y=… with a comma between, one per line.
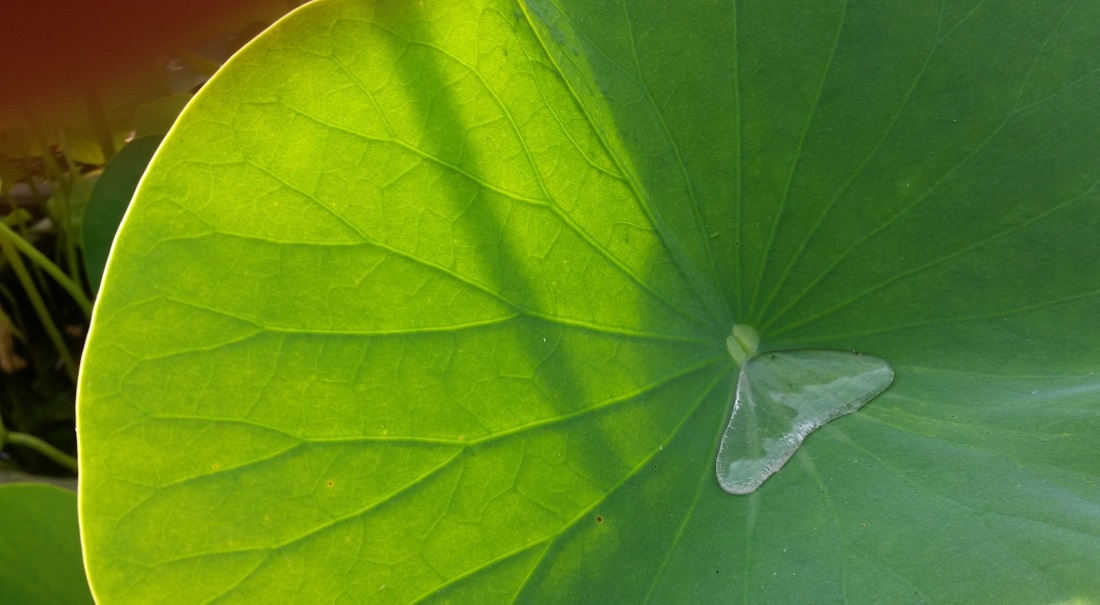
x=51, y=47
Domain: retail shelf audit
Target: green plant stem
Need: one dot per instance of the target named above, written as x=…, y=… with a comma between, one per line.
x=17, y=265
x=47, y=450
x=60, y=212
x=40, y=260
x=21, y=226
x=57, y=205
x=66, y=214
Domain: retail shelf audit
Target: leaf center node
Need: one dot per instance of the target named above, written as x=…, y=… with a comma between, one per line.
x=742, y=343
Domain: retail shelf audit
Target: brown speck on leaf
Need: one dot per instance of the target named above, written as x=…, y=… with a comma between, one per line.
x=331, y=483
x=599, y=519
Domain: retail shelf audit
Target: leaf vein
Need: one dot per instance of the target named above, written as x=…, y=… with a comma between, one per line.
x=897, y=277
x=796, y=160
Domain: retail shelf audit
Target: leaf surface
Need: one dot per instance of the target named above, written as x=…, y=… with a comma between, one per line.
x=430, y=303
x=40, y=561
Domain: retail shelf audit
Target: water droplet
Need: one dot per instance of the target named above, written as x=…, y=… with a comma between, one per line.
x=782, y=397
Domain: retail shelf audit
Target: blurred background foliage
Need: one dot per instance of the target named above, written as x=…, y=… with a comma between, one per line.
x=81, y=82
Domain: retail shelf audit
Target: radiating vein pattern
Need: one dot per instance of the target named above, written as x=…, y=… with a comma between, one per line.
x=428, y=302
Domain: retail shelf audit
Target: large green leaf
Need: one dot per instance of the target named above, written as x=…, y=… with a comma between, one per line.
x=429, y=301
x=40, y=547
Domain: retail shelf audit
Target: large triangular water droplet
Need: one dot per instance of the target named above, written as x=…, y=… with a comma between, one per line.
x=781, y=397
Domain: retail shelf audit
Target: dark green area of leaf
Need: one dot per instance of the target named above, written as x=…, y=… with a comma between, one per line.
x=429, y=303
x=40, y=561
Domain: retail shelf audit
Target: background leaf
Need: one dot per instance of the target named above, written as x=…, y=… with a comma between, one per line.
x=157, y=117
x=430, y=302
x=109, y=199
x=40, y=546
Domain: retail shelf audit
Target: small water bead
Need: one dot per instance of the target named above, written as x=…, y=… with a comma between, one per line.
x=781, y=397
